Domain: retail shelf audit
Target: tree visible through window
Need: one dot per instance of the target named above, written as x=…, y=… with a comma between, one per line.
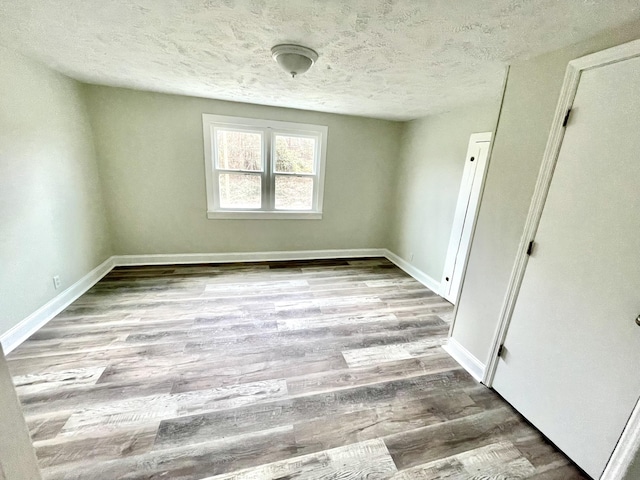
x=263, y=167
x=294, y=156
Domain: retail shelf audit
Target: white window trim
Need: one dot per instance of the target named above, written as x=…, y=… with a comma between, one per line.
x=268, y=127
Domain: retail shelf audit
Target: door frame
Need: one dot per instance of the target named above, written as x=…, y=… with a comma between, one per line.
x=623, y=454
x=471, y=212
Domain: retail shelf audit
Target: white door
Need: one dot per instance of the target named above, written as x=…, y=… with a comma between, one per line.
x=464, y=218
x=571, y=363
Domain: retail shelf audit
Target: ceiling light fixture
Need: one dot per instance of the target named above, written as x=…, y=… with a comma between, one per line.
x=294, y=59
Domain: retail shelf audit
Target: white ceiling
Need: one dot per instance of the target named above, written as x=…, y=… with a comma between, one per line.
x=395, y=59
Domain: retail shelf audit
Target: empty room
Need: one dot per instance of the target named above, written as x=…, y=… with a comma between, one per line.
x=315, y=239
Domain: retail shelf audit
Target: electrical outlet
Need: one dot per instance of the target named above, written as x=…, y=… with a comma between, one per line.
x=56, y=282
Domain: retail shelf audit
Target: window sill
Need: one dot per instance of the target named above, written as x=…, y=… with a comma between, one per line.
x=244, y=215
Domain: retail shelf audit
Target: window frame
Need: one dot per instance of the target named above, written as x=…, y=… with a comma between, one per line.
x=269, y=129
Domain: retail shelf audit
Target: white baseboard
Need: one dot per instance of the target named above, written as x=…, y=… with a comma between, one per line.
x=461, y=355
x=419, y=275
x=186, y=258
x=27, y=327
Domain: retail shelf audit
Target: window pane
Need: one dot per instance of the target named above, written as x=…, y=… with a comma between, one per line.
x=238, y=190
x=239, y=150
x=295, y=154
x=294, y=193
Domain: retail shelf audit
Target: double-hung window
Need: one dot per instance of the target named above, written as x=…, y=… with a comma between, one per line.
x=263, y=168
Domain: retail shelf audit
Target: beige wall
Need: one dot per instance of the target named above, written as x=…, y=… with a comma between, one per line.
x=51, y=211
x=151, y=158
x=17, y=457
x=432, y=159
x=530, y=99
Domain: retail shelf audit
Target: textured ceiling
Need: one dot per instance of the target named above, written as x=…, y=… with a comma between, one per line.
x=396, y=59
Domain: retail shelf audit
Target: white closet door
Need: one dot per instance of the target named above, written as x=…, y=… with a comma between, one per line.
x=572, y=353
x=464, y=218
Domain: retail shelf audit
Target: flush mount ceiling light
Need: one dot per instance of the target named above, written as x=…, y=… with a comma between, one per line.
x=294, y=59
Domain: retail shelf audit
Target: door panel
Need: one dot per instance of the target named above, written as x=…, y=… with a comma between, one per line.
x=464, y=218
x=573, y=347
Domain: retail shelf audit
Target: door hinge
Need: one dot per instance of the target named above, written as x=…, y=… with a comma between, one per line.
x=530, y=247
x=566, y=118
x=501, y=350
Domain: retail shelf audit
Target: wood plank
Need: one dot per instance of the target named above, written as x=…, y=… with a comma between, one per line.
x=359, y=357
x=496, y=461
x=190, y=461
x=434, y=442
x=141, y=410
x=41, y=382
x=353, y=462
x=77, y=448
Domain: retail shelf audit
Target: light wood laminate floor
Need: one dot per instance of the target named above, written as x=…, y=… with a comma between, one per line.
x=293, y=370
